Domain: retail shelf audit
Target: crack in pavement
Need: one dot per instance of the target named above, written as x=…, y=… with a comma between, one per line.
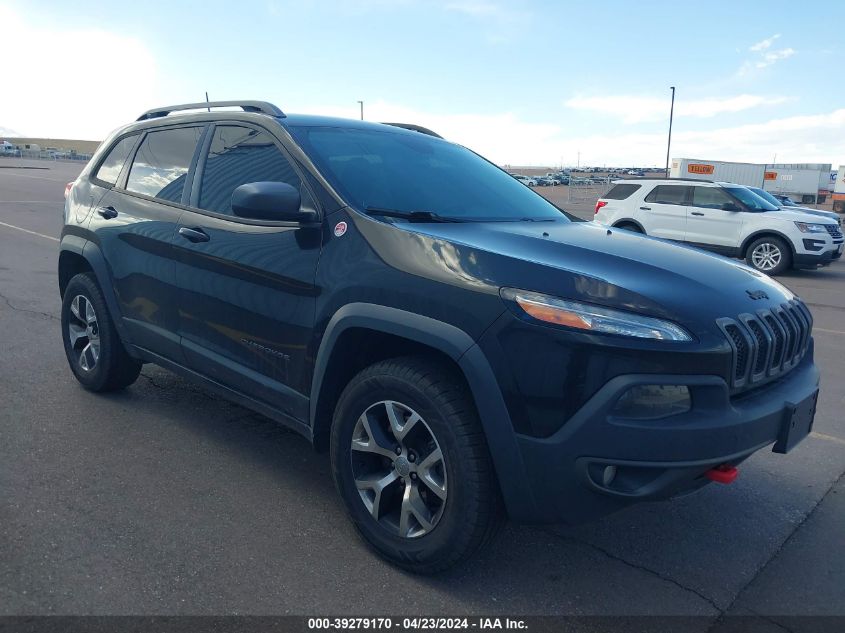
x=775, y=554
x=648, y=570
x=17, y=309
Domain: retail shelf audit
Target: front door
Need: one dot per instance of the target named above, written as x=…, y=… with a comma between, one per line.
x=247, y=296
x=708, y=224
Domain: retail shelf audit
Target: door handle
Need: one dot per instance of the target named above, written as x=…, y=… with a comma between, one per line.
x=696, y=213
x=194, y=235
x=645, y=208
x=108, y=213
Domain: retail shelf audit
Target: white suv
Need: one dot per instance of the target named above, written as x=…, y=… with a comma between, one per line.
x=722, y=217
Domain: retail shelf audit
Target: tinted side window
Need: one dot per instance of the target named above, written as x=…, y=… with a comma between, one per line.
x=162, y=162
x=620, y=192
x=668, y=194
x=109, y=169
x=239, y=155
x=710, y=197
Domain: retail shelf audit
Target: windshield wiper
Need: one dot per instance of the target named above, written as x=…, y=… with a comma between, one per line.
x=412, y=216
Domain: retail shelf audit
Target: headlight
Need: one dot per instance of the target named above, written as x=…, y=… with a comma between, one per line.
x=583, y=316
x=806, y=227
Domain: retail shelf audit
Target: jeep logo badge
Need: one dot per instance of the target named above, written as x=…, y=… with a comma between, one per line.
x=757, y=294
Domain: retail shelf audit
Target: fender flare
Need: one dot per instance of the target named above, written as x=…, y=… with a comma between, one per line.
x=92, y=254
x=460, y=347
x=747, y=241
x=629, y=221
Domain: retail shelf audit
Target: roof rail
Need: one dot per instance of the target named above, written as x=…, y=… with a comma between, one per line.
x=248, y=106
x=688, y=179
x=415, y=128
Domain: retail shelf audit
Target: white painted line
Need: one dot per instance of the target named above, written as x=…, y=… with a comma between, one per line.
x=820, y=329
x=829, y=438
x=46, y=237
x=2, y=173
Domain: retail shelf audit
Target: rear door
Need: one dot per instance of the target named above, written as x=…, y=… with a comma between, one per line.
x=246, y=287
x=663, y=212
x=134, y=225
x=711, y=226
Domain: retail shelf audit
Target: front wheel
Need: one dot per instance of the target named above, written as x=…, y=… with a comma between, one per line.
x=769, y=255
x=411, y=464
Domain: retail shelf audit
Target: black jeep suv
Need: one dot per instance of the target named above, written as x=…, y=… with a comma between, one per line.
x=464, y=348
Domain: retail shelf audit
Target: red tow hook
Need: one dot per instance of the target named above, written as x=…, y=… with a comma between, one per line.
x=723, y=474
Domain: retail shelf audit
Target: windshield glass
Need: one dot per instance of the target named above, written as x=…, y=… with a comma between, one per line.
x=766, y=196
x=751, y=199
x=416, y=172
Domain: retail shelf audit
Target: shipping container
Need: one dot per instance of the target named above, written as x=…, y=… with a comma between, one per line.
x=718, y=170
x=805, y=182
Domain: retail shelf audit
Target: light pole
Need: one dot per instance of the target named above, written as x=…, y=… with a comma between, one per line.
x=669, y=142
x=361, y=103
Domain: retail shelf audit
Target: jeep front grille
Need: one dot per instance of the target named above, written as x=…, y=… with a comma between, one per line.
x=768, y=343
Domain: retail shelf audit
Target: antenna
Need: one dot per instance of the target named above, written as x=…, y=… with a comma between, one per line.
x=207, y=101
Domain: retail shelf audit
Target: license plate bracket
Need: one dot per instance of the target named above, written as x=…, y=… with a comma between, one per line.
x=797, y=423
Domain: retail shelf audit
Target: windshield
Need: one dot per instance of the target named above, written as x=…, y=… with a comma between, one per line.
x=751, y=199
x=766, y=196
x=415, y=172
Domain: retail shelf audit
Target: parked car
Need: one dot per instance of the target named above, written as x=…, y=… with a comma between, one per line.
x=724, y=218
x=785, y=202
x=525, y=180
x=546, y=181
x=460, y=346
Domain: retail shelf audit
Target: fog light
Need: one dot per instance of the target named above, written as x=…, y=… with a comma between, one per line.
x=650, y=402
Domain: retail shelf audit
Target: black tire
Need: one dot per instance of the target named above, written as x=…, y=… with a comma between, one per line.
x=629, y=226
x=111, y=368
x=769, y=254
x=471, y=513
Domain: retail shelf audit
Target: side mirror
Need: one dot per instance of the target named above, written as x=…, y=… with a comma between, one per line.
x=730, y=206
x=276, y=201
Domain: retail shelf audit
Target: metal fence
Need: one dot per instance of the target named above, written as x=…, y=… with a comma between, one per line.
x=588, y=189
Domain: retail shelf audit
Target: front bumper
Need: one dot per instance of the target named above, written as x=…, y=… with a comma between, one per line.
x=655, y=459
x=807, y=260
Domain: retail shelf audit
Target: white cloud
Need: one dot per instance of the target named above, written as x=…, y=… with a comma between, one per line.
x=764, y=44
x=763, y=55
x=640, y=109
x=61, y=90
x=773, y=56
x=506, y=139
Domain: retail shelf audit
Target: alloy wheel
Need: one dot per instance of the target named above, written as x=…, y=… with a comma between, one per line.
x=766, y=256
x=84, y=332
x=399, y=469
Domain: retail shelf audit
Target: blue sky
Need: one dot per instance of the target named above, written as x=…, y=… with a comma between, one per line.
x=520, y=82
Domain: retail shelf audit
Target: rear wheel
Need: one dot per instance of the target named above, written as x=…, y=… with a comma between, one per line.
x=411, y=464
x=769, y=255
x=93, y=348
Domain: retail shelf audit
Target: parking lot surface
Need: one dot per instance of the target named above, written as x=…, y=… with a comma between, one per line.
x=164, y=499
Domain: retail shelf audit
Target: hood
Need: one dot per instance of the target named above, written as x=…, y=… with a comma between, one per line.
x=825, y=214
x=799, y=214
x=587, y=262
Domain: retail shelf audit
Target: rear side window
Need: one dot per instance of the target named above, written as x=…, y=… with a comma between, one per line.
x=668, y=194
x=239, y=155
x=109, y=169
x=710, y=197
x=620, y=192
x=162, y=162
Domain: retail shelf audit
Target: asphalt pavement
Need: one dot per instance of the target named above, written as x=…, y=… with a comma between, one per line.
x=165, y=499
